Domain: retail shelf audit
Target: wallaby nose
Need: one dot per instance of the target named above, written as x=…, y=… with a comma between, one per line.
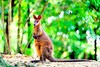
x=34, y=24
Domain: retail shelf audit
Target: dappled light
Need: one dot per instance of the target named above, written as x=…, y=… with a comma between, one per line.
x=72, y=25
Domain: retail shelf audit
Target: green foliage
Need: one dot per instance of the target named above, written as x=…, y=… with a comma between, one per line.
x=65, y=21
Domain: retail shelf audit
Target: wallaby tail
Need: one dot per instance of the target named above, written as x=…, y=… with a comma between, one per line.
x=64, y=60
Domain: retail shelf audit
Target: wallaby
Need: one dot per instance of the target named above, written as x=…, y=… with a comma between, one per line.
x=43, y=44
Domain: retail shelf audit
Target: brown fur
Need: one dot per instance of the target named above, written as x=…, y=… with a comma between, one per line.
x=44, y=46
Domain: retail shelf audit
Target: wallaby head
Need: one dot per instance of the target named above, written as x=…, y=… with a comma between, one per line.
x=37, y=19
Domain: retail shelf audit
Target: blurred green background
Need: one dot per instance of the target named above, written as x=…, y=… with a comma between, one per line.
x=73, y=26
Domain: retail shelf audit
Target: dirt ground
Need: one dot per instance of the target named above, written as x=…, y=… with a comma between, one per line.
x=24, y=61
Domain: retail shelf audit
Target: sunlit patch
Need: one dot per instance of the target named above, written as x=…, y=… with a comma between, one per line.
x=77, y=31
x=59, y=48
x=64, y=54
x=61, y=14
x=50, y=19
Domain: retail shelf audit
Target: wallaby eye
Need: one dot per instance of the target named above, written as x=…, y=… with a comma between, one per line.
x=36, y=21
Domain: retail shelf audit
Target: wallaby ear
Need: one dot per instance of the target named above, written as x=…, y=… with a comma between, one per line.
x=34, y=17
x=39, y=17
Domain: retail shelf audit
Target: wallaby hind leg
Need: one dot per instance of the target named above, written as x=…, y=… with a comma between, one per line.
x=43, y=57
x=47, y=53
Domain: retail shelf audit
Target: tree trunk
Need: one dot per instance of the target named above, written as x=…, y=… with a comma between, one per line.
x=18, y=33
x=9, y=23
x=95, y=49
x=29, y=27
x=12, y=4
x=85, y=55
x=5, y=41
